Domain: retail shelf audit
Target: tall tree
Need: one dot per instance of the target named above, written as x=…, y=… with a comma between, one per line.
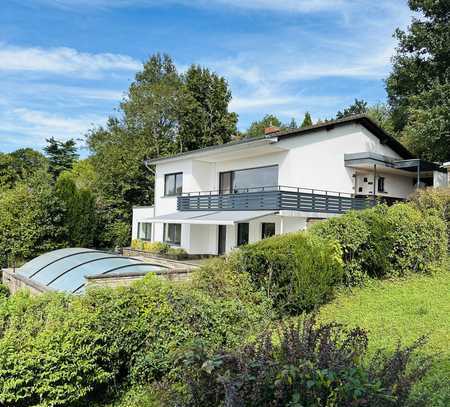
x=61, y=155
x=164, y=113
x=358, y=107
x=79, y=211
x=204, y=117
x=20, y=165
x=420, y=79
x=307, y=120
x=257, y=127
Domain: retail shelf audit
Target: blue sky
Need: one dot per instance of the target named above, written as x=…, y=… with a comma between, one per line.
x=66, y=64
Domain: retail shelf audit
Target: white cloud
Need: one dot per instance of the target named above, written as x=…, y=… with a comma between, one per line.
x=62, y=60
x=24, y=126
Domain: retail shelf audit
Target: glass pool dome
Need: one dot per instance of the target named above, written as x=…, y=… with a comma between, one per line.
x=65, y=269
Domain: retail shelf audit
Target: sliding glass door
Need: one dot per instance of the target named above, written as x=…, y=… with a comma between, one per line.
x=251, y=180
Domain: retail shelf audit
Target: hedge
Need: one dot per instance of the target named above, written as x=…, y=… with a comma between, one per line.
x=387, y=241
x=298, y=271
x=62, y=350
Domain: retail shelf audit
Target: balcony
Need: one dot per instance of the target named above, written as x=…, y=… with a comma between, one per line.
x=273, y=198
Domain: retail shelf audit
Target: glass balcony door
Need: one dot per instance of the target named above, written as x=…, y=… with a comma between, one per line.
x=248, y=180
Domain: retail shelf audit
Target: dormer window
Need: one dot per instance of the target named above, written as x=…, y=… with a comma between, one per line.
x=173, y=184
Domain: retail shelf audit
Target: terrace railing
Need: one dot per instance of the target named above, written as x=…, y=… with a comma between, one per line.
x=273, y=198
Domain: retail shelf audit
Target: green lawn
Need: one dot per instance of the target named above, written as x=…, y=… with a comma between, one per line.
x=403, y=310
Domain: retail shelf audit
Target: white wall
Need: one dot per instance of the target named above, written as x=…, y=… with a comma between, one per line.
x=440, y=179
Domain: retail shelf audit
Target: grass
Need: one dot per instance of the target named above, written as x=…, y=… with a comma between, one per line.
x=403, y=310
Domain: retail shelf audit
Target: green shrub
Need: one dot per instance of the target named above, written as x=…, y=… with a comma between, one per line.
x=386, y=241
x=304, y=365
x=434, y=199
x=137, y=244
x=177, y=251
x=298, y=271
x=61, y=350
x=4, y=291
x=418, y=241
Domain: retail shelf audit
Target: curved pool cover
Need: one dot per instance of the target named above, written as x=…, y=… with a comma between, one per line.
x=65, y=269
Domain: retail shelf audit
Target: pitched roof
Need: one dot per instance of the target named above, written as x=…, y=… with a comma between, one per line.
x=361, y=119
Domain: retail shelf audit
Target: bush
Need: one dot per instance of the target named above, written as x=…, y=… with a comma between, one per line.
x=298, y=271
x=386, y=241
x=60, y=350
x=177, y=252
x=435, y=200
x=4, y=291
x=151, y=247
x=303, y=365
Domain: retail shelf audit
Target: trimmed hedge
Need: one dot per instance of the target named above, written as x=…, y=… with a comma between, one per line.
x=62, y=350
x=387, y=241
x=297, y=271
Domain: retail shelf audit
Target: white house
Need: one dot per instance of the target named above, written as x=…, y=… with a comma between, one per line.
x=211, y=200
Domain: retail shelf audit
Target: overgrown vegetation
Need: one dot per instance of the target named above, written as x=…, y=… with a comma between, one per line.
x=387, y=241
x=302, y=365
x=60, y=350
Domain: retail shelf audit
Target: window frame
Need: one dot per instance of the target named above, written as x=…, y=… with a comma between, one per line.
x=166, y=231
x=263, y=226
x=240, y=225
x=383, y=184
x=232, y=177
x=175, y=175
x=149, y=239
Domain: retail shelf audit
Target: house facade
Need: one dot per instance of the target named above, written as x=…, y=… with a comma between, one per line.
x=212, y=200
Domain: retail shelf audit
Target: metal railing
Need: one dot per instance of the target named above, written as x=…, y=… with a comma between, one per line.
x=273, y=198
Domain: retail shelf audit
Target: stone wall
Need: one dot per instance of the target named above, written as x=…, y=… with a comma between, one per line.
x=16, y=282
x=124, y=279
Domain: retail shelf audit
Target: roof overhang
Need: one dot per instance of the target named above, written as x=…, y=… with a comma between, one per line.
x=210, y=218
x=238, y=149
x=368, y=160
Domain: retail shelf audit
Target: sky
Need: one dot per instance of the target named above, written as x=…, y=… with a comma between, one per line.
x=66, y=64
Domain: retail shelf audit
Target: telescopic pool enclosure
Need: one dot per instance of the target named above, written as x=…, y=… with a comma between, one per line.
x=67, y=269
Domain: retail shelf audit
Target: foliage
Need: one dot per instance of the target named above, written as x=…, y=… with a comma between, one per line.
x=403, y=309
x=4, y=291
x=427, y=132
x=435, y=200
x=220, y=278
x=164, y=113
x=61, y=155
x=151, y=247
x=60, y=350
x=257, y=128
x=31, y=220
x=20, y=166
x=79, y=215
x=204, y=118
x=302, y=365
x=386, y=241
x=358, y=107
x=307, y=121
x=420, y=72
x=177, y=251
x=298, y=271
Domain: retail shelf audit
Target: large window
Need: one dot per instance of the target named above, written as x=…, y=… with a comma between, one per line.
x=173, y=184
x=251, y=179
x=144, y=231
x=267, y=230
x=242, y=237
x=172, y=233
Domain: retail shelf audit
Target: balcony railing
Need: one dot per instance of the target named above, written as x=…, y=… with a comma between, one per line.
x=273, y=198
